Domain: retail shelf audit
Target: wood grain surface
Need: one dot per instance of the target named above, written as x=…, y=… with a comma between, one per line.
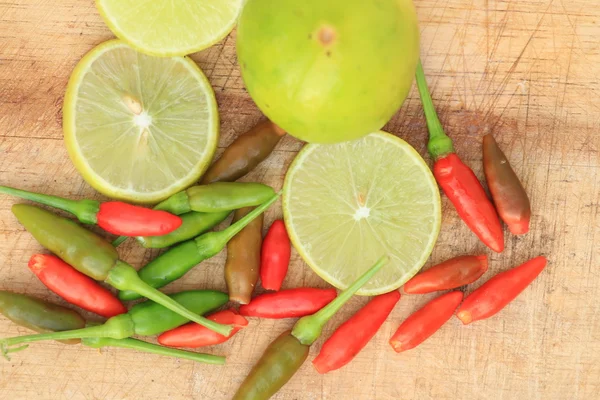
x=525, y=70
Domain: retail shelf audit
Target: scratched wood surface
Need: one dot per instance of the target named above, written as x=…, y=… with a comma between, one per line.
x=526, y=70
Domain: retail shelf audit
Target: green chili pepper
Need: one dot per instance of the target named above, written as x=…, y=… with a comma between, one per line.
x=193, y=224
x=38, y=315
x=96, y=258
x=176, y=262
x=280, y=361
x=42, y=316
x=243, y=259
x=242, y=156
x=288, y=352
x=245, y=153
x=151, y=318
x=146, y=318
x=215, y=197
x=83, y=249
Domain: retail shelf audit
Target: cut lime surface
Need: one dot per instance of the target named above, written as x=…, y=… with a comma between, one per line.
x=347, y=204
x=137, y=127
x=170, y=28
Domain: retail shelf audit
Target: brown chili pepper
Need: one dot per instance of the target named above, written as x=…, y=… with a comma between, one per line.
x=450, y=274
x=243, y=258
x=284, y=357
x=245, y=153
x=507, y=191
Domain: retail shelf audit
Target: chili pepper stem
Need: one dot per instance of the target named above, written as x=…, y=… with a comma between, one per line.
x=118, y=241
x=234, y=229
x=139, y=345
x=439, y=143
x=118, y=327
x=177, y=204
x=124, y=277
x=84, y=210
x=308, y=329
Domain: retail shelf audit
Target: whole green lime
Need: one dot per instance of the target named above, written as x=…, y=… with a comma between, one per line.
x=327, y=71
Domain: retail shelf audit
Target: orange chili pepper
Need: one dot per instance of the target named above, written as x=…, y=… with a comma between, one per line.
x=450, y=274
x=194, y=335
x=291, y=303
x=425, y=322
x=74, y=286
x=275, y=256
x=114, y=217
x=457, y=180
x=500, y=290
x=354, y=334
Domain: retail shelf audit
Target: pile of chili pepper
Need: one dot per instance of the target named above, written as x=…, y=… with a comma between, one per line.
x=83, y=258
x=463, y=188
x=184, y=221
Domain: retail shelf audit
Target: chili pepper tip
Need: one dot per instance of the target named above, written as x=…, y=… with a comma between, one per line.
x=484, y=261
x=396, y=345
x=465, y=317
x=519, y=228
x=36, y=262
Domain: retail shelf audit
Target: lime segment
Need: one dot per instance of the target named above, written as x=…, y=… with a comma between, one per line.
x=137, y=127
x=170, y=28
x=347, y=204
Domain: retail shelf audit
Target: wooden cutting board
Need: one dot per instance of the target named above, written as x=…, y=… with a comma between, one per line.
x=525, y=70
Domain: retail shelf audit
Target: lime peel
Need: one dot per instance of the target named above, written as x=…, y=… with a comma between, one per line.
x=166, y=28
x=346, y=204
x=131, y=134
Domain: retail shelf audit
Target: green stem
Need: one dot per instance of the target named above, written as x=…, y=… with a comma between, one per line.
x=308, y=329
x=84, y=210
x=118, y=327
x=440, y=144
x=232, y=230
x=119, y=240
x=139, y=345
x=177, y=204
x=124, y=277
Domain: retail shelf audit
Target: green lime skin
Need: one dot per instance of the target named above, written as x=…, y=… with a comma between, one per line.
x=328, y=71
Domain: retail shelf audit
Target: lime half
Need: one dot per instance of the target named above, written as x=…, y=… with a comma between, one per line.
x=346, y=205
x=167, y=27
x=137, y=127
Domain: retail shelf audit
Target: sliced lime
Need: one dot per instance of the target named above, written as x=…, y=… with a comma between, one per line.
x=137, y=127
x=170, y=28
x=347, y=204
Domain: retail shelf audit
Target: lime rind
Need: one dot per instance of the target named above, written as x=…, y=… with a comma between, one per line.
x=397, y=217
x=164, y=28
x=184, y=132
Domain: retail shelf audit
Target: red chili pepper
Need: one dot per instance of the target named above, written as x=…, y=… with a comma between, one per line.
x=354, y=334
x=74, y=286
x=507, y=191
x=500, y=290
x=457, y=180
x=114, y=217
x=425, y=322
x=450, y=274
x=128, y=220
x=291, y=303
x=194, y=335
x=275, y=256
